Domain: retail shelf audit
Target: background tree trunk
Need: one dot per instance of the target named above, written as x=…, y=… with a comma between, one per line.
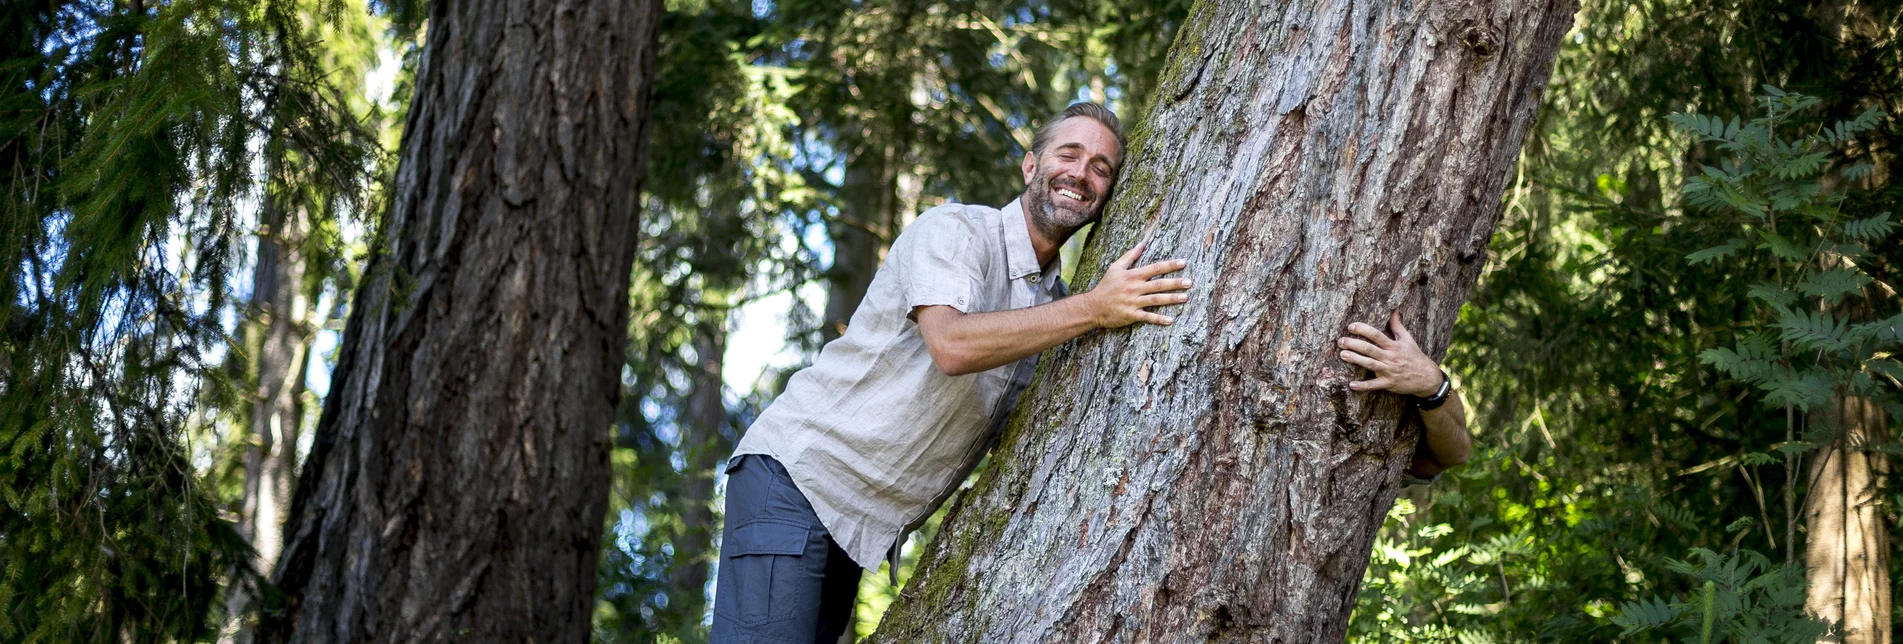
x=1317, y=163
x=867, y=224
x=704, y=449
x=456, y=486
x=1847, y=544
x=280, y=323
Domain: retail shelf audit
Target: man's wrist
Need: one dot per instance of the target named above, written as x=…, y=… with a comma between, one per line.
x=1093, y=308
x=1438, y=397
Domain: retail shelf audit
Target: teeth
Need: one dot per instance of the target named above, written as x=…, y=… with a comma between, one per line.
x=1070, y=193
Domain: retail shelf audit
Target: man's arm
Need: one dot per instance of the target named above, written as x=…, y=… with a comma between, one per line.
x=963, y=343
x=1400, y=366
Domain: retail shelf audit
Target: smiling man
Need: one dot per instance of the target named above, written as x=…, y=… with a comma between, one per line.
x=868, y=441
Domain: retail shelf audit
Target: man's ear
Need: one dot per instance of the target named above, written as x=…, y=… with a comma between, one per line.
x=1029, y=165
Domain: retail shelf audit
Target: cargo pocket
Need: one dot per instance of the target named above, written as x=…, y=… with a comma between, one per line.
x=767, y=581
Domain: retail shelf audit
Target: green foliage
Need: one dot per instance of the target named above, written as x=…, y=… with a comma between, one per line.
x=1744, y=597
x=1813, y=252
x=131, y=142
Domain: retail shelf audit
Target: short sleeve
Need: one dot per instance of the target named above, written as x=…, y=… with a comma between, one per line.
x=937, y=261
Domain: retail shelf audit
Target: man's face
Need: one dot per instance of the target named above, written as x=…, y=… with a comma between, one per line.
x=1067, y=185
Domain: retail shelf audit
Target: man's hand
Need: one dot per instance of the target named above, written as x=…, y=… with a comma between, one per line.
x=1398, y=363
x=1123, y=294
x=1400, y=366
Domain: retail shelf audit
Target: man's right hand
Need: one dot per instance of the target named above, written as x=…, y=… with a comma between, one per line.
x=1121, y=297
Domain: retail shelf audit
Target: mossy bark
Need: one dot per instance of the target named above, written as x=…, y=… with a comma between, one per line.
x=1317, y=163
x=459, y=474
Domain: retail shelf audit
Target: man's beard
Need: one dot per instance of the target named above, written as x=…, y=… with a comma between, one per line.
x=1053, y=221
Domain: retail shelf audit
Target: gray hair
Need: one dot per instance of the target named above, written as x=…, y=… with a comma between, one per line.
x=1085, y=109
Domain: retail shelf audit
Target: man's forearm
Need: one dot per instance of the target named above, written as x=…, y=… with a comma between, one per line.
x=1445, y=439
x=974, y=342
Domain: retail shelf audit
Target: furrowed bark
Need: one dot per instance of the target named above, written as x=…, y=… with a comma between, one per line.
x=456, y=485
x=1847, y=538
x=1317, y=163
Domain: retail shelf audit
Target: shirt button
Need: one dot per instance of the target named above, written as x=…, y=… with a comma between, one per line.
x=1033, y=279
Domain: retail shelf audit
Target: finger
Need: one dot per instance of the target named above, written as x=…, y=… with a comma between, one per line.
x=1159, y=286
x=1159, y=268
x=1400, y=330
x=1128, y=258
x=1365, y=362
x=1157, y=318
x=1363, y=347
x=1372, y=334
x=1374, y=384
x=1162, y=299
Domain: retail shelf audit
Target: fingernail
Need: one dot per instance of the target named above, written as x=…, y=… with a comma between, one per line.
x=1188, y=283
x=1181, y=263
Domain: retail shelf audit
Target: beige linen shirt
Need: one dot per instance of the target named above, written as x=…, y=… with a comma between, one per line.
x=873, y=433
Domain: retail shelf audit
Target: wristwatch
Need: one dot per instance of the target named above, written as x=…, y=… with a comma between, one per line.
x=1439, y=398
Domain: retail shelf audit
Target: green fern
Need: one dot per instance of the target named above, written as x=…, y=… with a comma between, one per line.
x=1832, y=284
x=1645, y=614
x=1871, y=228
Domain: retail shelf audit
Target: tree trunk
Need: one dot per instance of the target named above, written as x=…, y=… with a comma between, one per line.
x=280, y=319
x=1847, y=547
x=703, y=448
x=867, y=224
x=456, y=486
x=1317, y=163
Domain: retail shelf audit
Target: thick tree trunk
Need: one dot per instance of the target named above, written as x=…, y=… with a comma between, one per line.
x=704, y=448
x=280, y=320
x=1317, y=163
x=1847, y=546
x=456, y=486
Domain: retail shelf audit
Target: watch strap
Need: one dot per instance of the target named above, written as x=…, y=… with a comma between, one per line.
x=1439, y=398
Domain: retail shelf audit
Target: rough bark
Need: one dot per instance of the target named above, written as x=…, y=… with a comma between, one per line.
x=1317, y=163
x=704, y=448
x=1847, y=546
x=456, y=485
x=280, y=323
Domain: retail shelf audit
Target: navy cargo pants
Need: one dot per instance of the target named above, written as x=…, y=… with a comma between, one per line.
x=782, y=579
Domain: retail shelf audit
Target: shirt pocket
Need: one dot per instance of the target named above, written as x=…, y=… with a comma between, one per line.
x=768, y=576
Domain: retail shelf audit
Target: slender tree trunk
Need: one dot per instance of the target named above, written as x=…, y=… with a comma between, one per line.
x=1317, y=163
x=704, y=449
x=456, y=486
x=860, y=237
x=1847, y=546
x=280, y=314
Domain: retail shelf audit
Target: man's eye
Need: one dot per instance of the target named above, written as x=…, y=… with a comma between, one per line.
x=1067, y=157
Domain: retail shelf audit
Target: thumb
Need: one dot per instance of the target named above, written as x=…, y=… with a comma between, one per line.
x=1400, y=330
x=1129, y=258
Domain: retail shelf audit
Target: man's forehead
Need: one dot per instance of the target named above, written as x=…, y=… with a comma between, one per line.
x=1087, y=134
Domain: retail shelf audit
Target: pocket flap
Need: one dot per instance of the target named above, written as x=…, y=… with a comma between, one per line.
x=765, y=538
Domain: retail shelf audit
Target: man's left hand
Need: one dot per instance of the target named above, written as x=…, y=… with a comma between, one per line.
x=1398, y=363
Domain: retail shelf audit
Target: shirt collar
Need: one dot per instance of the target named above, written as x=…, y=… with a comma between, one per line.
x=1020, y=255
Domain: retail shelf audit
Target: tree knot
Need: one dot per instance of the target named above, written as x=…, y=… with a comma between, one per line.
x=1481, y=39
